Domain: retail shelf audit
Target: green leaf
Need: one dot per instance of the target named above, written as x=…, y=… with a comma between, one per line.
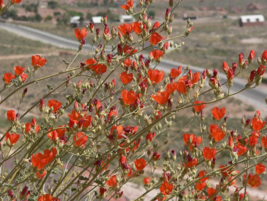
x=49, y=87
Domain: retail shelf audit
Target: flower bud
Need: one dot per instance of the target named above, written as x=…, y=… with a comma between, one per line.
x=24, y=92
x=171, y=18
x=97, y=33
x=167, y=14
x=91, y=27
x=188, y=31
x=170, y=29
x=241, y=59
x=42, y=105
x=251, y=56
x=145, y=19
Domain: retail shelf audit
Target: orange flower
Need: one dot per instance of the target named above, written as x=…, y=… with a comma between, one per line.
x=18, y=70
x=170, y=88
x=57, y=134
x=12, y=138
x=47, y=197
x=225, y=171
x=209, y=153
x=254, y=181
x=23, y=77
x=140, y=163
x=38, y=62
x=195, y=77
x=8, y=77
x=176, y=72
x=199, y=186
x=257, y=124
x=260, y=168
x=98, y=68
x=211, y=191
x=166, y=188
x=225, y=67
x=41, y=160
x=136, y=26
x=216, y=132
x=127, y=62
x=90, y=63
x=255, y=134
x=55, y=104
x=15, y=1
x=40, y=176
x=192, y=163
x=76, y=115
x=126, y=78
x=29, y=126
x=161, y=97
x=264, y=55
x=11, y=115
x=81, y=34
x=201, y=174
x=155, y=76
x=198, y=108
x=156, y=54
x=253, y=140
x=125, y=28
x=240, y=149
x=156, y=25
x=181, y=87
x=80, y=139
x=112, y=182
x=129, y=50
x=123, y=160
x=147, y=180
x=81, y=119
x=264, y=142
x=128, y=97
x=86, y=122
x=155, y=38
x=191, y=140
x=232, y=183
x=218, y=113
x=128, y=5
x=119, y=130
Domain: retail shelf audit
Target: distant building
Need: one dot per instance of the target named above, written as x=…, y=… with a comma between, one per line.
x=126, y=19
x=43, y=4
x=252, y=20
x=75, y=21
x=185, y=17
x=96, y=19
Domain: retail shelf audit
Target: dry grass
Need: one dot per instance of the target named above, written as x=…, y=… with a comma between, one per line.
x=13, y=45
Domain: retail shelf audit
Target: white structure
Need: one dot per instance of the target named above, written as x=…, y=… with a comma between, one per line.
x=250, y=20
x=43, y=4
x=75, y=20
x=97, y=19
x=126, y=18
